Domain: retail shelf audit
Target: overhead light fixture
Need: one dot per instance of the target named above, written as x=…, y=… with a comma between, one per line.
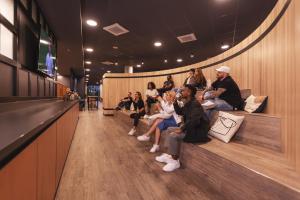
x=45, y=42
x=87, y=69
x=116, y=63
x=91, y=22
x=157, y=44
x=87, y=75
x=142, y=63
x=88, y=62
x=225, y=46
x=165, y=61
x=89, y=50
x=138, y=65
x=108, y=71
x=192, y=55
x=179, y=60
x=115, y=47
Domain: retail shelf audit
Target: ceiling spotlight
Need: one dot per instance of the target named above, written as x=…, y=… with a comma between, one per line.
x=108, y=71
x=157, y=44
x=165, y=61
x=88, y=62
x=225, y=46
x=192, y=55
x=115, y=47
x=87, y=75
x=87, y=69
x=116, y=64
x=139, y=65
x=89, y=49
x=142, y=63
x=179, y=60
x=91, y=22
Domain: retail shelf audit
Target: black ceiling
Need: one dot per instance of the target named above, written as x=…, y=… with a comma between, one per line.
x=214, y=22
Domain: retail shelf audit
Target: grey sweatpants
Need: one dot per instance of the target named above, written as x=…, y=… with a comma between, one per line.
x=173, y=141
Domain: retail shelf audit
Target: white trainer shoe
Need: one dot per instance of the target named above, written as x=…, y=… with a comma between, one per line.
x=163, y=158
x=143, y=138
x=132, y=132
x=154, y=148
x=171, y=165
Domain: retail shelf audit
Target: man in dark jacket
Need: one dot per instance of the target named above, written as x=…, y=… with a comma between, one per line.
x=194, y=129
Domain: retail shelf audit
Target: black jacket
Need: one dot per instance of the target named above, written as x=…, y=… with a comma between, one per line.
x=196, y=124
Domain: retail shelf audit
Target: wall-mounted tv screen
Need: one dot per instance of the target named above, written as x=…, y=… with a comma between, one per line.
x=47, y=54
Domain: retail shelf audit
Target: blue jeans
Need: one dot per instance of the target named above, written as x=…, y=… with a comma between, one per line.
x=221, y=105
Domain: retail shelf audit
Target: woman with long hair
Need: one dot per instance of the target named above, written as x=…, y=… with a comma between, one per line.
x=139, y=107
x=200, y=79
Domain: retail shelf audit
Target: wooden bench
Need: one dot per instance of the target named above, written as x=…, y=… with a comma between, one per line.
x=246, y=168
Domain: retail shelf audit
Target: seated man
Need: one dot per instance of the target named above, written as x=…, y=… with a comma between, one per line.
x=168, y=85
x=224, y=92
x=194, y=129
x=125, y=102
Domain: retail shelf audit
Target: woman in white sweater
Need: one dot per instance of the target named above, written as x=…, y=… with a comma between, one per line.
x=165, y=119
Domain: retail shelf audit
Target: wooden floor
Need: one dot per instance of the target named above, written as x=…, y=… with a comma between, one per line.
x=105, y=163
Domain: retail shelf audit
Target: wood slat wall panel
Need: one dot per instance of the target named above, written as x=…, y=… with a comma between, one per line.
x=268, y=68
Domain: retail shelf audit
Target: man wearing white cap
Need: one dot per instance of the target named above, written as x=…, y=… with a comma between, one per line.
x=224, y=92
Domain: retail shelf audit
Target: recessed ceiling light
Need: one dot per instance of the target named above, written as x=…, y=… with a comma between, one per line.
x=142, y=63
x=165, y=61
x=89, y=50
x=91, y=22
x=88, y=62
x=138, y=65
x=115, y=47
x=192, y=55
x=179, y=60
x=225, y=46
x=87, y=69
x=116, y=63
x=108, y=71
x=157, y=44
x=87, y=75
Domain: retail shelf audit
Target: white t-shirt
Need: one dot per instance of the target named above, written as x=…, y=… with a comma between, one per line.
x=152, y=93
x=169, y=109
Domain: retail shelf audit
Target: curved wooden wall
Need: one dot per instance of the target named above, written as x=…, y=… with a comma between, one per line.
x=265, y=62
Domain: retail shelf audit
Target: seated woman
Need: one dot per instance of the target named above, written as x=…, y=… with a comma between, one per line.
x=160, y=124
x=200, y=80
x=151, y=95
x=168, y=85
x=125, y=102
x=139, y=107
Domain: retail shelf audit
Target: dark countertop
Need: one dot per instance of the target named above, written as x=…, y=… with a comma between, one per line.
x=22, y=122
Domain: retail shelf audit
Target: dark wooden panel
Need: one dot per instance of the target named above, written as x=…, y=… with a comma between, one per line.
x=23, y=83
x=41, y=86
x=33, y=85
x=6, y=80
x=47, y=88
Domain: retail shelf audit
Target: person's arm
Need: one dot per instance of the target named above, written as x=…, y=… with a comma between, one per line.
x=195, y=119
x=169, y=109
x=177, y=108
x=218, y=92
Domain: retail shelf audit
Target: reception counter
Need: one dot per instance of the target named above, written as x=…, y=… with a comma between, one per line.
x=35, y=137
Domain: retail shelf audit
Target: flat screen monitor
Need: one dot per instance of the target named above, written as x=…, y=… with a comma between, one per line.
x=47, y=55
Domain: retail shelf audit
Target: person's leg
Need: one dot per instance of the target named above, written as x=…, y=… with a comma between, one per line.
x=157, y=136
x=222, y=105
x=135, y=118
x=153, y=127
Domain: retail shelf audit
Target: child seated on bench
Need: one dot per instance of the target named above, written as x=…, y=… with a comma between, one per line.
x=165, y=119
x=194, y=129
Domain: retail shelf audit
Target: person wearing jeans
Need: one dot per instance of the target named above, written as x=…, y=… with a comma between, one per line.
x=224, y=93
x=194, y=129
x=140, y=111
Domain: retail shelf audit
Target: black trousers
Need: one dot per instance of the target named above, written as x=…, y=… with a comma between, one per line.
x=126, y=104
x=136, y=117
x=149, y=102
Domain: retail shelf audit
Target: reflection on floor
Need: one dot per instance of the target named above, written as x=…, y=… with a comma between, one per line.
x=105, y=163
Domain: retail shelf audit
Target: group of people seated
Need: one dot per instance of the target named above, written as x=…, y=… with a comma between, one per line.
x=179, y=113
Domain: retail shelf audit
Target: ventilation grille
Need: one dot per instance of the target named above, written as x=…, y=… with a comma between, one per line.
x=116, y=29
x=107, y=63
x=187, y=38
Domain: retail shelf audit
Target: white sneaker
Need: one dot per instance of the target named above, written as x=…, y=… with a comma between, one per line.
x=163, y=158
x=171, y=165
x=154, y=148
x=143, y=138
x=132, y=132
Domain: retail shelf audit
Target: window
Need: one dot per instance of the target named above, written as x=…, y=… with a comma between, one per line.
x=6, y=42
x=7, y=10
